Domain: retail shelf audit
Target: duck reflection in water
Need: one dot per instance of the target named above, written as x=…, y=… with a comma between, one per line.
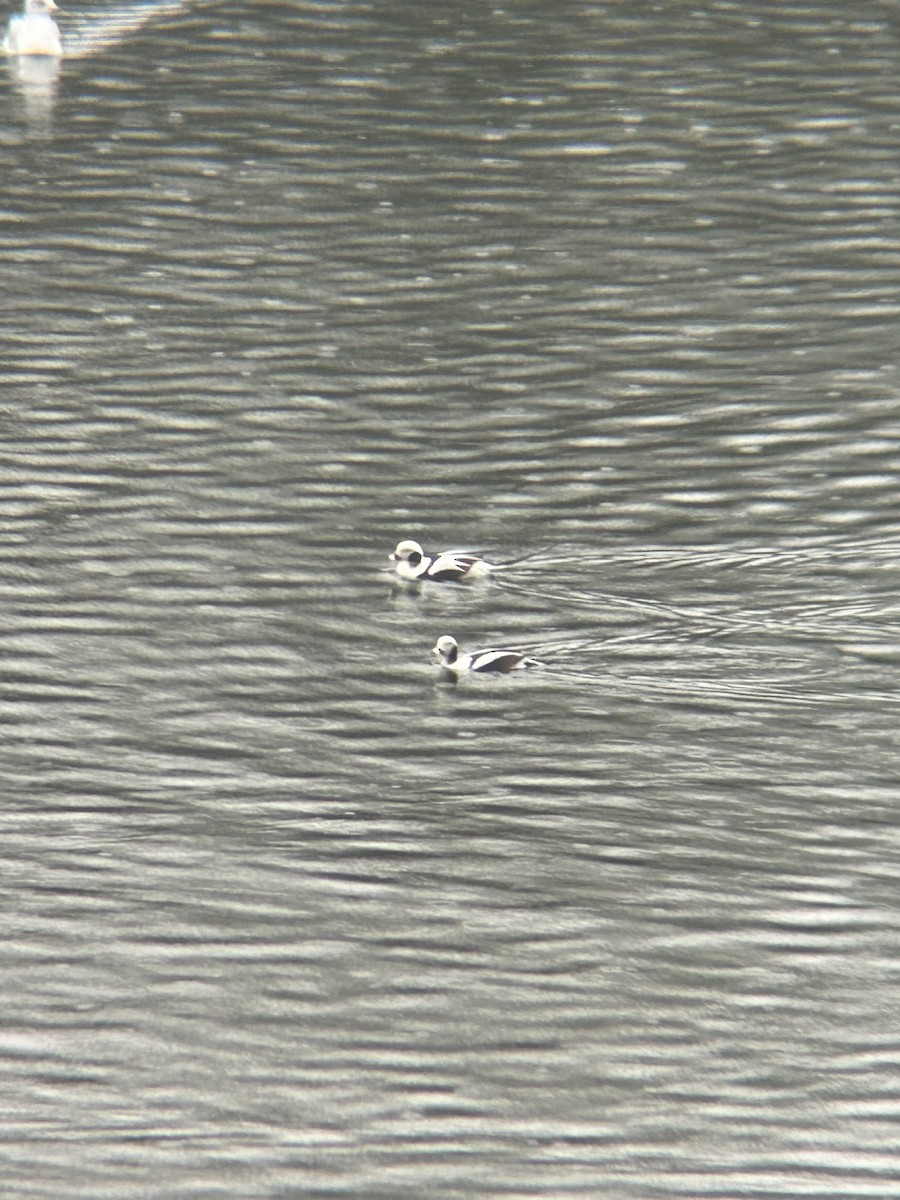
x=34, y=47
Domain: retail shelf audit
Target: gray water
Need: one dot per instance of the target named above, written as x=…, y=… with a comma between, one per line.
x=608, y=291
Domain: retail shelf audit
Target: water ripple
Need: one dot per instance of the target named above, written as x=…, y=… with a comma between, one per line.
x=608, y=294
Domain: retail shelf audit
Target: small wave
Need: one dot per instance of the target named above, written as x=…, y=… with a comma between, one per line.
x=88, y=34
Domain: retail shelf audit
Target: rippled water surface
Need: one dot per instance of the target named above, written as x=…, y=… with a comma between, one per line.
x=607, y=291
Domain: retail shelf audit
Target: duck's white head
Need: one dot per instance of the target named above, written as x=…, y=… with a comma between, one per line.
x=36, y=8
x=447, y=649
x=408, y=551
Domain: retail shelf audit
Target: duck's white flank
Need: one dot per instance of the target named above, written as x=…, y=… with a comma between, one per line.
x=34, y=31
x=502, y=660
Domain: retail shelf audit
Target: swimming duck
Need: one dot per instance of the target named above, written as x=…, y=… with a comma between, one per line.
x=34, y=31
x=452, y=566
x=447, y=651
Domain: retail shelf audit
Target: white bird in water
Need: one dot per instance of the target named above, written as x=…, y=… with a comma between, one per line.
x=504, y=660
x=33, y=31
x=451, y=566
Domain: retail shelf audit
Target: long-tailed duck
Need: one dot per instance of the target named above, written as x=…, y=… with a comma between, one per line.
x=452, y=566
x=447, y=651
x=34, y=31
